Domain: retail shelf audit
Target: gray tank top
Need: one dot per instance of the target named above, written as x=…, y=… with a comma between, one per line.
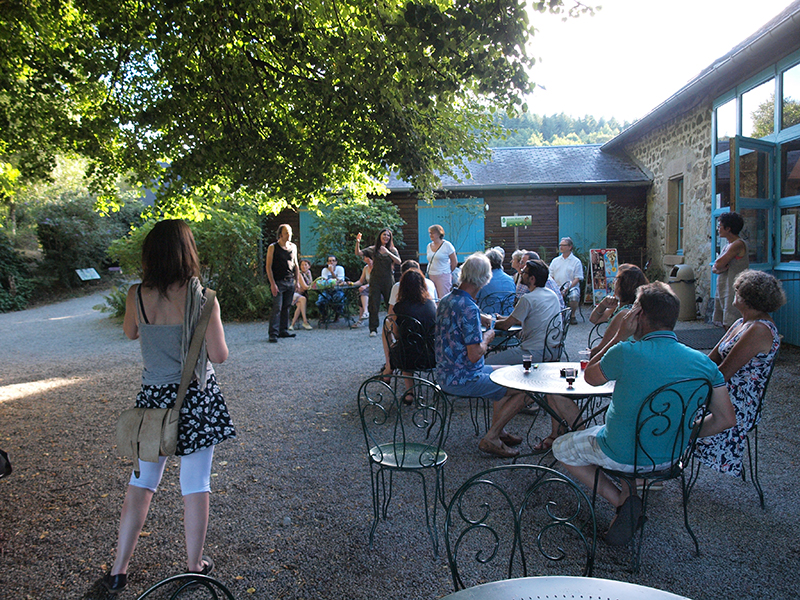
x=161, y=351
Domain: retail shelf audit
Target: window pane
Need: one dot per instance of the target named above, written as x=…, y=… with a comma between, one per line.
x=790, y=111
x=723, y=185
x=726, y=124
x=758, y=110
x=790, y=248
x=756, y=233
x=790, y=169
x=754, y=173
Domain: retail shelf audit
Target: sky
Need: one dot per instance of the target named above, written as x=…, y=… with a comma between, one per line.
x=634, y=54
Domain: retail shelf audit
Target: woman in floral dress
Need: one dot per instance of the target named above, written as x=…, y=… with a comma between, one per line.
x=745, y=355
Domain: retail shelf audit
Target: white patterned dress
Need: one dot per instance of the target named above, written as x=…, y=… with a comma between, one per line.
x=723, y=452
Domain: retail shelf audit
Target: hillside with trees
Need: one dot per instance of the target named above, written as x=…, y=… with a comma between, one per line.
x=555, y=130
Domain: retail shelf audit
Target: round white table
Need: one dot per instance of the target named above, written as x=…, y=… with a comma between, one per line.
x=550, y=588
x=545, y=378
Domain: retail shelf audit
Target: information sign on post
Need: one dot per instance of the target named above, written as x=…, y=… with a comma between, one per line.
x=87, y=274
x=516, y=221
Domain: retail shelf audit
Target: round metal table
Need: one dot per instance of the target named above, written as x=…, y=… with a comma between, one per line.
x=533, y=588
x=545, y=378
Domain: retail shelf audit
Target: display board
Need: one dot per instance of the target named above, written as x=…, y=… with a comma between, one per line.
x=603, y=263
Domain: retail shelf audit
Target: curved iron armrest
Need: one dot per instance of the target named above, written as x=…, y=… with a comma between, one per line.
x=190, y=582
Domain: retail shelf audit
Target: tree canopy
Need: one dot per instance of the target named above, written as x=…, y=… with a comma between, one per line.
x=273, y=100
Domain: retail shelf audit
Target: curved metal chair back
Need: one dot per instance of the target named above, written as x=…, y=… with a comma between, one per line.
x=411, y=344
x=596, y=334
x=519, y=520
x=667, y=419
x=498, y=303
x=404, y=420
x=556, y=336
x=188, y=585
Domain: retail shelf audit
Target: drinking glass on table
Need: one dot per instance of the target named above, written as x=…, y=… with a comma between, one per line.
x=527, y=359
x=585, y=355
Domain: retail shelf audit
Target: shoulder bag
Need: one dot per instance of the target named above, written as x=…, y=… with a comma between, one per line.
x=147, y=433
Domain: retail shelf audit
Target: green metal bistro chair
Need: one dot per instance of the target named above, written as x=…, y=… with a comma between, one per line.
x=411, y=346
x=188, y=585
x=518, y=521
x=501, y=303
x=556, y=336
x=404, y=428
x=668, y=416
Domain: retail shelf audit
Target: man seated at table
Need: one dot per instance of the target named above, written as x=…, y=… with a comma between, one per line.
x=491, y=297
x=534, y=311
x=331, y=298
x=405, y=266
x=521, y=258
x=639, y=367
x=460, y=347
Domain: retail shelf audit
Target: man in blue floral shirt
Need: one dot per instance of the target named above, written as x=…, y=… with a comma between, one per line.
x=460, y=347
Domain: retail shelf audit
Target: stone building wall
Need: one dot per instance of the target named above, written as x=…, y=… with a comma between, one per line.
x=680, y=148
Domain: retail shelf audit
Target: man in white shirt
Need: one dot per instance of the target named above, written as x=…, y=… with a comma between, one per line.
x=331, y=298
x=534, y=311
x=568, y=268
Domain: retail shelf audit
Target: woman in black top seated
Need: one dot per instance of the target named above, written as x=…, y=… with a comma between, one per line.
x=413, y=349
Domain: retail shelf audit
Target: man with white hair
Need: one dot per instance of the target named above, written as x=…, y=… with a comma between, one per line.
x=491, y=297
x=460, y=348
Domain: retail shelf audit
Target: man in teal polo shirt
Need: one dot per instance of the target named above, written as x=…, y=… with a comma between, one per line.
x=655, y=358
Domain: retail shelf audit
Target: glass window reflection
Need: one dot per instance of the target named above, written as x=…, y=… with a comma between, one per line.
x=758, y=110
x=754, y=174
x=756, y=233
x=790, y=106
x=723, y=185
x=726, y=125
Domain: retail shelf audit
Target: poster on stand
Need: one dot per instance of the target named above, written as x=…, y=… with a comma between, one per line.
x=603, y=263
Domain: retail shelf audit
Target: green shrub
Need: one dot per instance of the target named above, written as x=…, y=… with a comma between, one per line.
x=337, y=228
x=16, y=285
x=227, y=243
x=73, y=235
x=115, y=302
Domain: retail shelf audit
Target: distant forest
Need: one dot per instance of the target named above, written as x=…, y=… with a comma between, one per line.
x=556, y=130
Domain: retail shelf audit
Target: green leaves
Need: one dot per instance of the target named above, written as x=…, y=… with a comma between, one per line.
x=264, y=97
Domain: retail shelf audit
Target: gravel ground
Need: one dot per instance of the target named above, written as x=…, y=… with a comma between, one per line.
x=291, y=506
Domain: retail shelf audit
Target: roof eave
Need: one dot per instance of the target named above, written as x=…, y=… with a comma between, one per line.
x=530, y=186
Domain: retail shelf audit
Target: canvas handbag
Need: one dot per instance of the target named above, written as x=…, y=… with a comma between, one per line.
x=147, y=433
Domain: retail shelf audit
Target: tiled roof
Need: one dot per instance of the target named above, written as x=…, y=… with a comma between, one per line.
x=547, y=166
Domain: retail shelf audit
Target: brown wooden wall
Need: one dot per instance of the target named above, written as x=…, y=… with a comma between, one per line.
x=541, y=204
